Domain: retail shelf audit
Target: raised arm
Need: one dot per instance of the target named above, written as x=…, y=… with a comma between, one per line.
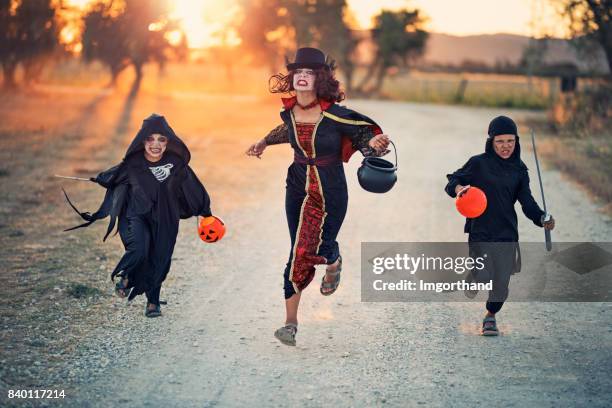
x=278, y=135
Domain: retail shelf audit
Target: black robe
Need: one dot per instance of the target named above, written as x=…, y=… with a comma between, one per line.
x=134, y=193
x=504, y=181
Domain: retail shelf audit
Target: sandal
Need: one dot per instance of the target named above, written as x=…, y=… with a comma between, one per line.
x=152, y=312
x=286, y=334
x=489, y=326
x=121, y=288
x=333, y=285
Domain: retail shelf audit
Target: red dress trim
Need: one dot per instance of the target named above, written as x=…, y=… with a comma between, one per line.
x=312, y=218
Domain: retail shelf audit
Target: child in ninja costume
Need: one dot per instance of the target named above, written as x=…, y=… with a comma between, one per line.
x=148, y=192
x=501, y=174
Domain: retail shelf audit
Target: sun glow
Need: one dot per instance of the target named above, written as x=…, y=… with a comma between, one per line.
x=207, y=23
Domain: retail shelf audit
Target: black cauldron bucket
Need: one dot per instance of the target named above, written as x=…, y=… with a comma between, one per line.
x=377, y=175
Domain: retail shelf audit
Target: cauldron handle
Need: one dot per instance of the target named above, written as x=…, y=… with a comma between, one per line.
x=395, y=151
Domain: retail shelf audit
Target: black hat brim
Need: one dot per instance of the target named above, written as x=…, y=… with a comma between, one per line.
x=312, y=65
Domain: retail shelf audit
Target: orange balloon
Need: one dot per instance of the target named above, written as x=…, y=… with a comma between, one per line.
x=211, y=229
x=472, y=203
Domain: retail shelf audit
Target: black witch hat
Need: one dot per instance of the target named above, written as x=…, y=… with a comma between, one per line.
x=308, y=57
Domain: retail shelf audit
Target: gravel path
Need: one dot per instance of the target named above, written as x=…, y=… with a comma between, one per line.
x=214, y=344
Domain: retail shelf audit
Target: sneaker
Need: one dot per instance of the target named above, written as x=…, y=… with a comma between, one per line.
x=489, y=326
x=286, y=334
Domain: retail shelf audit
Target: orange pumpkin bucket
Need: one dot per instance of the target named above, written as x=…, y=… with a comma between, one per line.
x=472, y=203
x=211, y=229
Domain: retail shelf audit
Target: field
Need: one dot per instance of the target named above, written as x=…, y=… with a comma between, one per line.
x=507, y=91
x=504, y=91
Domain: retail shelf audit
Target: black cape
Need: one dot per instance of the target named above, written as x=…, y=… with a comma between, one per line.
x=504, y=181
x=133, y=191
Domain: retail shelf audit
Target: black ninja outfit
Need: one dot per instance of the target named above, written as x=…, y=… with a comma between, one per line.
x=504, y=181
x=149, y=199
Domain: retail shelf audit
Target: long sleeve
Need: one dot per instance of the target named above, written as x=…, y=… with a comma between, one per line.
x=462, y=176
x=360, y=140
x=115, y=180
x=194, y=197
x=530, y=207
x=359, y=135
x=109, y=177
x=278, y=135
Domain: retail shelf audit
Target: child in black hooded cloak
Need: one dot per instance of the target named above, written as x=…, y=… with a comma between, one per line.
x=148, y=195
x=501, y=174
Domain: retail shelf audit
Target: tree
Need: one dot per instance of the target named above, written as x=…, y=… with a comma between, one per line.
x=102, y=39
x=590, y=20
x=532, y=59
x=28, y=31
x=399, y=39
x=321, y=23
x=264, y=31
x=133, y=32
x=271, y=29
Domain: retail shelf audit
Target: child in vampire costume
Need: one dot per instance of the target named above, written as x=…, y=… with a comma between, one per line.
x=148, y=199
x=316, y=191
x=504, y=181
x=317, y=197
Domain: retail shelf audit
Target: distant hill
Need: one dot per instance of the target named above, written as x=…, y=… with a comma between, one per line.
x=492, y=48
x=448, y=49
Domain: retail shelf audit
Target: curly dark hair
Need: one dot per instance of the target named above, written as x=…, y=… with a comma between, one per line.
x=326, y=84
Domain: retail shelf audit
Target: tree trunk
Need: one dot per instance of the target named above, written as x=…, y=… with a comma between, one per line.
x=603, y=34
x=138, y=71
x=368, y=75
x=348, y=76
x=32, y=70
x=608, y=52
x=348, y=69
x=380, y=78
x=115, y=71
x=8, y=70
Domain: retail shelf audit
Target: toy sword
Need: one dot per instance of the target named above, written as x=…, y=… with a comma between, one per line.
x=547, y=236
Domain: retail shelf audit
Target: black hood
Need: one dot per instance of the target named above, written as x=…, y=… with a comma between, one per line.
x=514, y=160
x=158, y=124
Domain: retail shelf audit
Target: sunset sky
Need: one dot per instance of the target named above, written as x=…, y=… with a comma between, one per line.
x=204, y=20
x=467, y=17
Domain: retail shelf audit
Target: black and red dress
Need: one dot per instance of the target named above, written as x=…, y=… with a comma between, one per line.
x=316, y=199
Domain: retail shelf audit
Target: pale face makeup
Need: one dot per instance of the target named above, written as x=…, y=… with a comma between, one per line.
x=504, y=145
x=304, y=79
x=155, y=146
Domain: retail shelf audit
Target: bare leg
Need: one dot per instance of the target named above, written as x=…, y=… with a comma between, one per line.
x=291, y=306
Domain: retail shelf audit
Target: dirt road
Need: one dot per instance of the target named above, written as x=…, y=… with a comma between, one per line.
x=214, y=344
